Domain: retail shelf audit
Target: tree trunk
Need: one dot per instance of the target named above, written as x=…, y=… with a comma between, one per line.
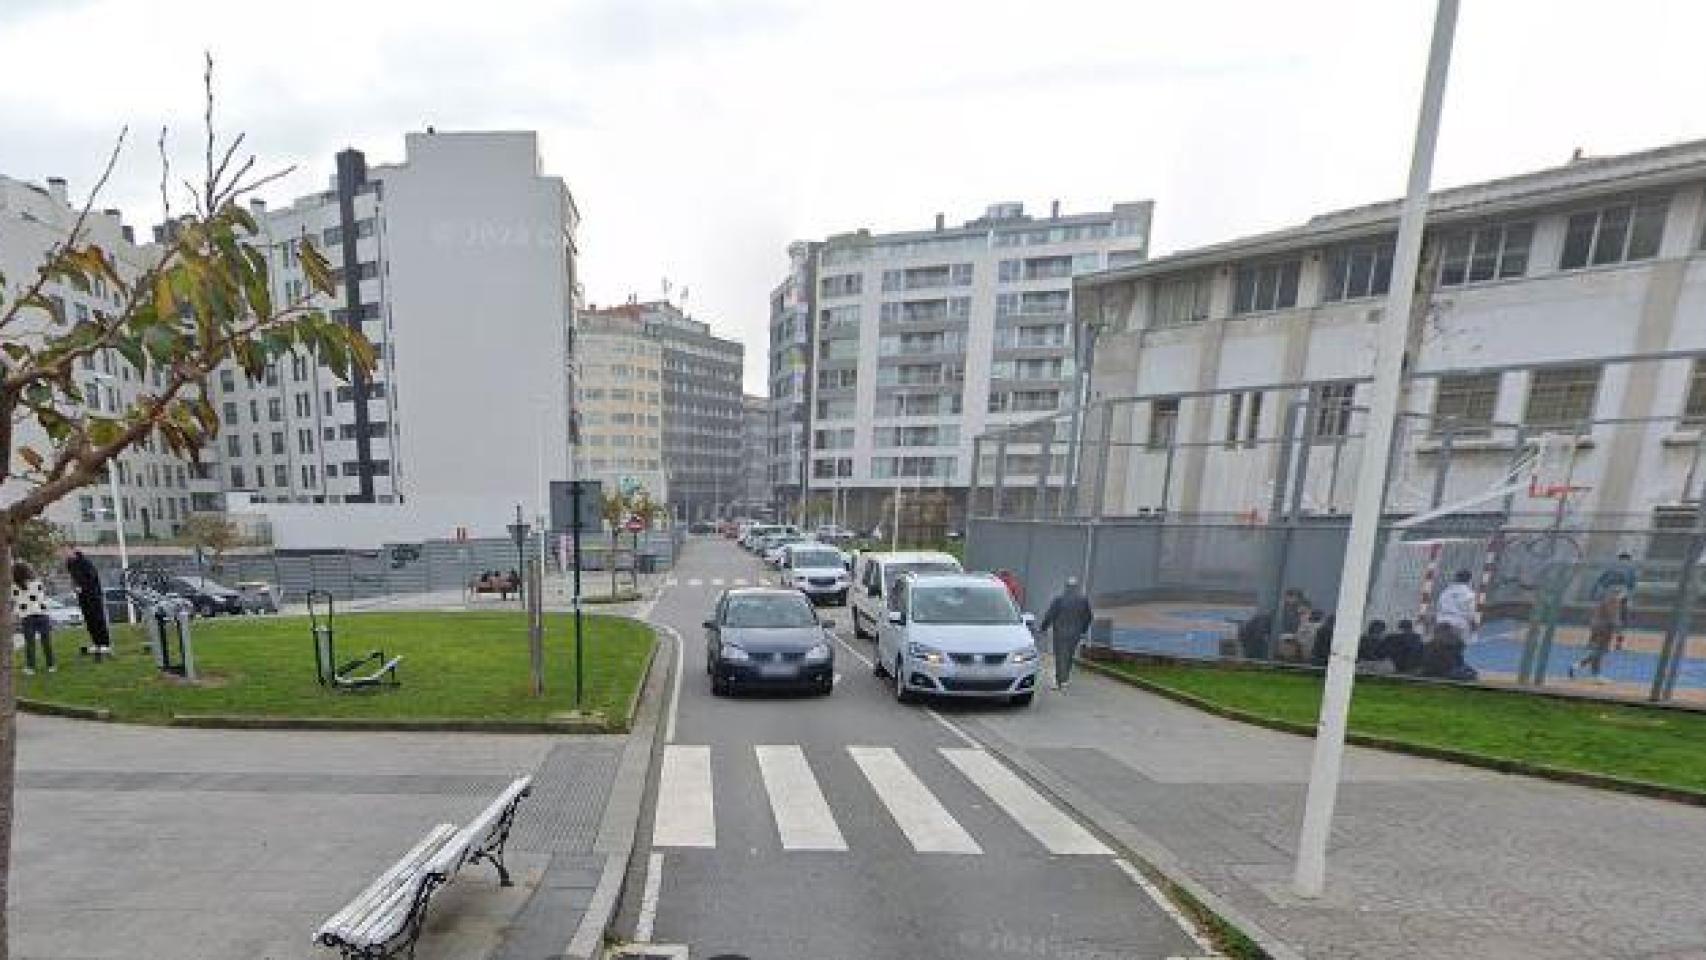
x=8, y=739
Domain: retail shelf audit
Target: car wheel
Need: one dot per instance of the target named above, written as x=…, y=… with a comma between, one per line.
x=901, y=693
x=204, y=610
x=826, y=686
x=877, y=669
x=719, y=686
x=1023, y=699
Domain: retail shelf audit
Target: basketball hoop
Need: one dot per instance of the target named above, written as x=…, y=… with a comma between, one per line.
x=1553, y=467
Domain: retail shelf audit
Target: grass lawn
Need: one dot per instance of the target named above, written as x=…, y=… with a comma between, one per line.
x=455, y=666
x=1660, y=746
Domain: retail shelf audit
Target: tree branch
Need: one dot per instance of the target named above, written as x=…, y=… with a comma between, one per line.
x=59, y=250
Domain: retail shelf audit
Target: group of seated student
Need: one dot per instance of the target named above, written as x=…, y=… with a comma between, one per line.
x=1306, y=636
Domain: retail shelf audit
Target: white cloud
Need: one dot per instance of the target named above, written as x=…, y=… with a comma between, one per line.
x=700, y=137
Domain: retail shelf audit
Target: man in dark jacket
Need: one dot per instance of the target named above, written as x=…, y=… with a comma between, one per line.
x=1070, y=615
x=89, y=600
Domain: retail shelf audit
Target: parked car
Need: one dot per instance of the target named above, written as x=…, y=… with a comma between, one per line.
x=833, y=533
x=258, y=596
x=207, y=598
x=957, y=635
x=772, y=546
x=767, y=636
x=875, y=574
x=817, y=570
x=702, y=528
x=64, y=614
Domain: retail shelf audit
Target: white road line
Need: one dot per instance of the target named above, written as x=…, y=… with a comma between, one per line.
x=739, y=581
x=675, y=688
x=954, y=729
x=1057, y=832
x=803, y=817
x=856, y=654
x=716, y=581
x=1185, y=923
x=649, y=900
x=926, y=823
x=685, y=817
x=695, y=582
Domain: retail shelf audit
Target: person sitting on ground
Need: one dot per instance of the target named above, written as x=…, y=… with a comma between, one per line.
x=1294, y=648
x=1374, y=644
x=1404, y=646
x=1321, y=648
x=1253, y=636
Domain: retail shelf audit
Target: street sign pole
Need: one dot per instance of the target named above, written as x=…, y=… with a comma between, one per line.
x=575, y=536
x=1392, y=341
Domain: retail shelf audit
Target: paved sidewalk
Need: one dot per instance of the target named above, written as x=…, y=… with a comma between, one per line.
x=148, y=842
x=1429, y=859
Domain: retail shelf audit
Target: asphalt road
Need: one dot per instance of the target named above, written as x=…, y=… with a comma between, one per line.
x=851, y=826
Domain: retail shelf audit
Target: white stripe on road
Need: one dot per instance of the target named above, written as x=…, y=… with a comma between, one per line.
x=648, y=918
x=1167, y=907
x=803, y=817
x=695, y=582
x=675, y=690
x=926, y=823
x=954, y=729
x=739, y=581
x=717, y=581
x=1057, y=832
x=684, y=810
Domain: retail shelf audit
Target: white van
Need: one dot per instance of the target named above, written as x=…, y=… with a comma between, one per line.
x=874, y=578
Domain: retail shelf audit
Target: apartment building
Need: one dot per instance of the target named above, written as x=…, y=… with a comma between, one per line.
x=702, y=407
x=1567, y=301
x=792, y=306
x=458, y=264
x=922, y=339
x=157, y=491
x=618, y=373
x=754, y=495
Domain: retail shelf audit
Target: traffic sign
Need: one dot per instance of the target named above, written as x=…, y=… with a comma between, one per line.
x=634, y=525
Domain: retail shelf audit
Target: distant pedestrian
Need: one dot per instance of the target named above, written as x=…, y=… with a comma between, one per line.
x=1069, y=615
x=1454, y=622
x=29, y=611
x=90, y=600
x=1010, y=580
x=1623, y=573
x=1605, y=623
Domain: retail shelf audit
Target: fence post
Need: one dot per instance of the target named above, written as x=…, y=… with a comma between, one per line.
x=1676, y=639
x=1279, y=552
x=1167, y=469
x=1099, y=507
x=997, y=492
x=971, y=485
x=1045, y=458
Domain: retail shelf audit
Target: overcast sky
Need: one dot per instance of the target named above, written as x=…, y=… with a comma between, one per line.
x=700, y=136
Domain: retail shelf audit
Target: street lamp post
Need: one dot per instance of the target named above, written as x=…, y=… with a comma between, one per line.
x=518, y=533
x=118, y=519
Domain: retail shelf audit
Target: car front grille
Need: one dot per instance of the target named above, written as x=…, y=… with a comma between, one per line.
x=793, y=656
x=822, y=581
x=968, y=659
x=975, y=684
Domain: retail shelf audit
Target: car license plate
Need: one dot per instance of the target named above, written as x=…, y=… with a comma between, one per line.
x=776, y=671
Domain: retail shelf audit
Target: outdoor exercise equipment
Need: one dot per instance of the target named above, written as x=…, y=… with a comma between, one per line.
x=326, y=666
x=168, y=618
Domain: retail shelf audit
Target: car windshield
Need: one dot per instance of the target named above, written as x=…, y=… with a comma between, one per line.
x=962, y=603
x=895, y=570
x=816, y=558
x=768, y=610
x=198, y=583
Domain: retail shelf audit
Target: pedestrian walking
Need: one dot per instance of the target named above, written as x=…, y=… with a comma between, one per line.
x=1605, y=622
x=1455, y=620
x=1069, y=615
x=1010, y=580
x=29, y=611
x=89, y=599
x=1623, y=573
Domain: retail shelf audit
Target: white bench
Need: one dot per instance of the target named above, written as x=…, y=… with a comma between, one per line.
x=386, y=919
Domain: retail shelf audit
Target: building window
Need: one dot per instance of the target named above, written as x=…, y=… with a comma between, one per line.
x=1694, y=408
x=1466, y=403
x=227, y=381
x=1616, y=233
x=843, y=285
x=1234, y=413
x=1266, y=286
x=1562, y=397
x=1488, y=253
x=1355, y=272
x=1181, y=301
x=230, y=411
x=278, y=442
x=280, y=475
x=237, y=478
x=1163, y=422
x=233, y=445
x=1333, y=405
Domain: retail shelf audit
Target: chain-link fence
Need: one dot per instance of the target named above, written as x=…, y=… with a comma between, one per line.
x=1201, y=523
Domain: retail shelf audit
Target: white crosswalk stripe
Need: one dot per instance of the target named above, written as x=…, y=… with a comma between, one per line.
x=685, y=817
x=926, y=823
x=1057, y=832
x=803, y=817
x=695, y=582
x=717, y=582
x=740, y=581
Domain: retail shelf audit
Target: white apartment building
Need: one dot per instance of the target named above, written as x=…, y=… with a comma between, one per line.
x=922, y=339
x=788, y=454
x=618, y=377
x=157, y=491
x=459, y=265
x=1569, y=300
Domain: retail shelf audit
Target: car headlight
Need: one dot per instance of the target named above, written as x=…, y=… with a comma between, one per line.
x=734, y=653
x=1027, y=655
x=818, y=654
x=919, y=651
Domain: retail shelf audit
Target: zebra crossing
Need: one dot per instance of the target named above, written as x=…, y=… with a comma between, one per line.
x=711, y=581
x=804, y=818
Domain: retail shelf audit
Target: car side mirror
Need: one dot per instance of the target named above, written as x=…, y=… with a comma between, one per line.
x=710, y=624
x=896, y=617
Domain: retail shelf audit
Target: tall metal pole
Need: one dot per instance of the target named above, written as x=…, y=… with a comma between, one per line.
x=1311, y=875
x=1676, y=643
x=575, y=537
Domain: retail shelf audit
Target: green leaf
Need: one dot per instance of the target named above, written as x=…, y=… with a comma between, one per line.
x=314, y=265
x=104, y=430
x=130, y=348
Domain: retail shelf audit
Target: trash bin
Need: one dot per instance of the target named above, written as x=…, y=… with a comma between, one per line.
x=646, y=563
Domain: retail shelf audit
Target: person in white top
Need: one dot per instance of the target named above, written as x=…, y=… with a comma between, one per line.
x=1454, y=622
x=29, y=609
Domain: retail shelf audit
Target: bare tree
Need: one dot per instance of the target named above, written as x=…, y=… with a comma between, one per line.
x=201, y=300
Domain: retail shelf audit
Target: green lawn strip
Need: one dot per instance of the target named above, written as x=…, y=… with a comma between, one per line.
x=459, y=666
x=1665, y=747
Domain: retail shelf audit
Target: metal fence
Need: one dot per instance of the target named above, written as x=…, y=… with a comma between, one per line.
x=1187, y=515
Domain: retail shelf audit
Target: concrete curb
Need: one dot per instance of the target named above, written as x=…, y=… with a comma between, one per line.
x=223, y=721
x=621, y=823
x=1580, y=778
x=51, y=709
x=1144, y=851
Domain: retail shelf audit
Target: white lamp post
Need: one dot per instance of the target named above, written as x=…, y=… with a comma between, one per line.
x=118, y=518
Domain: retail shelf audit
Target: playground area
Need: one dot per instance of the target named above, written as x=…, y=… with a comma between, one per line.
x=1201, y=631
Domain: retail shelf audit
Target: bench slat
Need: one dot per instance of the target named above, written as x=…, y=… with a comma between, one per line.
x=451, y=857
x=402, y=875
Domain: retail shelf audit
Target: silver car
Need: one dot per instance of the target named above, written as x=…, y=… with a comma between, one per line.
x=957, y=635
